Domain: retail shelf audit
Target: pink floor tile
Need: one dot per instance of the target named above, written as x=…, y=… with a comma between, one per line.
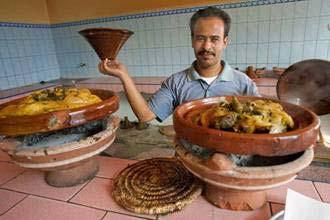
x=9, y=171
x=116, y=216
x=276, y=207
x=278, y=195
x=36, y=208
x=258, y=214
x=110, y=166
x=97, y=194
x=33, y=182
x=9, y=199
x=198, y=209
x=324, y=191
x=4, y=156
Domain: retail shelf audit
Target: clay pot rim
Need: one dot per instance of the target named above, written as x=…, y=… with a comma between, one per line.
x=102, y=31
x=179, y=113
x=112, y=123
x=261, y=172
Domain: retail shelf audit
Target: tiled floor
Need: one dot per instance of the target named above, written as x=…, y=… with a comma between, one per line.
x=24, y=194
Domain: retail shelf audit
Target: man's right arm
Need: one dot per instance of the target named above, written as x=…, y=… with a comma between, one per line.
x=134, y=97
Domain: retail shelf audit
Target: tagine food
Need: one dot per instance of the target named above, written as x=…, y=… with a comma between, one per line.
x=45, y=101
x=258, y=116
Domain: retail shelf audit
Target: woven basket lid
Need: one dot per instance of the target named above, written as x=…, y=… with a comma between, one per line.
x=155, y=186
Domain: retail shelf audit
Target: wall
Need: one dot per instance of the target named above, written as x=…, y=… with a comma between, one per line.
x=32, y=11
x=75, y=10
x=264, y=33
x=27, y=52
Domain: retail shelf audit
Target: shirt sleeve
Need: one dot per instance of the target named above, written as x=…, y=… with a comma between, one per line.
x=162, y=103
x=253, y=89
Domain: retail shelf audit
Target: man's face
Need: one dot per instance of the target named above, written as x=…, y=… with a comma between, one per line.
x=208, y=41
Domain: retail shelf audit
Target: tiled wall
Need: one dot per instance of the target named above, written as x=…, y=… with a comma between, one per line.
x=27, y=55
x=264, y=33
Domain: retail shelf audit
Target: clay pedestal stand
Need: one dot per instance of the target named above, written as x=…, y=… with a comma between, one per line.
x=237, y=187
x=68, y=164
x=229, y=184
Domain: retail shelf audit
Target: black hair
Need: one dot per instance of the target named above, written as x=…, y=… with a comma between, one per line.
x=211, y=12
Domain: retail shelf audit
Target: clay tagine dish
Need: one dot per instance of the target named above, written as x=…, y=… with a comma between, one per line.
x=300, y=138
x=62, y=142
x=237, y=168
x=106, y=42
x=52, y=121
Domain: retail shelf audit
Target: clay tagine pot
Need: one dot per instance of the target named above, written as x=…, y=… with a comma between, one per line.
x=303, y=136
x=52, y=121
x=106, y=41
x=67, y=163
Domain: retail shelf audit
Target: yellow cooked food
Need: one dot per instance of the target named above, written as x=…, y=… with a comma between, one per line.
x=259, y=116
x=44, y=101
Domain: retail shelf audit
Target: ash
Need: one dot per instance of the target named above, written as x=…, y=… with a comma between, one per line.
x=63, y=136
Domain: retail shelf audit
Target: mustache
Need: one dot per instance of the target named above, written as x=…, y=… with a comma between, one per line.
x=206, y=52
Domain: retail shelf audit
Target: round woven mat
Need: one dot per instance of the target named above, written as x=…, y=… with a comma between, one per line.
x=155, y=186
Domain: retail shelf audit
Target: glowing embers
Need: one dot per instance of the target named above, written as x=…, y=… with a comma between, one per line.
x=155, y=186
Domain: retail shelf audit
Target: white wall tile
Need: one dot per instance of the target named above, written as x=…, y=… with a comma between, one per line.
x=262, y=55
x=253, y=14
x=296, y=52
x=263, y=32
x=288, y=10
x=276, y=11
x=314, y=8
x=286, y=30
x=300, y=10
x=241, y=33
x=273, y=52
x=311, y=29
x=264, y=12
x=321, y=51
x=325, y=8
x=299, y=26
x=252, y=32
x=241, y=15
x=309, y=49
x=241, y=53
x=285, y=50
x=324, y=25
x=275, y=31
x=251, y=53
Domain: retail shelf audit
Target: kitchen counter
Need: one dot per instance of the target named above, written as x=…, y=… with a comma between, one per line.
x=24, y=194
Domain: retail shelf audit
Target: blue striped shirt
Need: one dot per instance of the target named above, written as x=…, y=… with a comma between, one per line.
x=187, y=85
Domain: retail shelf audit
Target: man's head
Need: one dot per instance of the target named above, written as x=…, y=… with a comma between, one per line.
x=209, y=33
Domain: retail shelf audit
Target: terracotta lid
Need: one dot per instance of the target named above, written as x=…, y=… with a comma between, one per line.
x=23, y=125
x=300, y=138
x=307, y=83
x=106, y=41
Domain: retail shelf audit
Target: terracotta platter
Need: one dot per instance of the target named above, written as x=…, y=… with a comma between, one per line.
x=23, y=125
x=304, y=134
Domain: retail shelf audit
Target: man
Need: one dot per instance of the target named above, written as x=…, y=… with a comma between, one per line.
x=208, y=75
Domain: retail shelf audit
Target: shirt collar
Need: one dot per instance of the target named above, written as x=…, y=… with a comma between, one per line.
x=226, y=73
